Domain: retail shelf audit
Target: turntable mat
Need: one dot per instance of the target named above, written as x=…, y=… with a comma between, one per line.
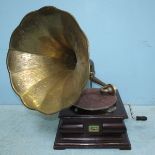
x=92, y=99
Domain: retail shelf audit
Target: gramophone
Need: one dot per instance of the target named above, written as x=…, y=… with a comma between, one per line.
x=49, y=67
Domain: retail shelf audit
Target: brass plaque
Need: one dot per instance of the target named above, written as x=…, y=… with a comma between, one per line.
x=94, y=128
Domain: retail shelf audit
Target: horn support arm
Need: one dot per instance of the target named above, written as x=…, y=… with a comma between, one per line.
x=106, y=88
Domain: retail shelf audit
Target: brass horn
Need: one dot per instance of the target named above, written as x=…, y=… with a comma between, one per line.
x=48, y=60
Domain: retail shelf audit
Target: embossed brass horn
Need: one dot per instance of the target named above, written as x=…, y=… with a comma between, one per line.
x=48, y=60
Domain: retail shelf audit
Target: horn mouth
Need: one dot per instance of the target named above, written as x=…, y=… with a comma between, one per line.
x=48, y=60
